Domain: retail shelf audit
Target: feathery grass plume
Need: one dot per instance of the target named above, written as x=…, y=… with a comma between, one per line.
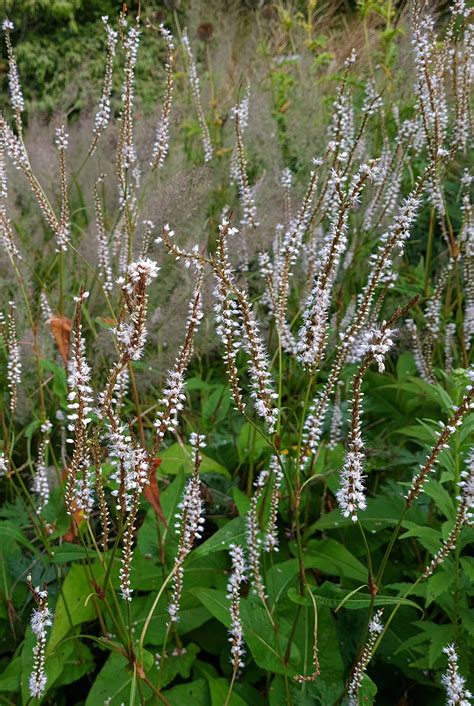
x=189, y=524
x=78, y=493
x=41, y=619
x=270, y=541
x=40, y=485
x=102, y=116
x=464, y=515
x=63, y=233
x=226, y=311
x=351, y=494
x=236, y=631
x=375, y=628
x=447, y=430
x=10, y=341
x=173, y=394
x=14, y=85
x=162, y=135
x=196, y=93
x=103, y=254
x=453, y=682
x=238, y=169
x=254, y=538
x=381, y=271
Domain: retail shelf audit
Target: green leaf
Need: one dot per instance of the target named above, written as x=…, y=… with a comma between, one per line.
x=112, y=684
x=219, y=688
x=178, y=457
x=68, y=552
x=10, y=677
x=75, y=605
x=441, y=497
x=231, y=533
x=367, y=692
x=195, y=693
x=250, y=444
x=428, y=537
x=332, y=596
x=437, y=584
x=258, y=631
x=334, y=559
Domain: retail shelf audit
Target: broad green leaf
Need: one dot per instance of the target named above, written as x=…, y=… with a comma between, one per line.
x=441, y=497
x=332, y=597
x=367, y=691
x=437, y=584
x=428, y=537
x=195, y=693
x=219, y=689
x=250, y=443
x=231, y=533
x=258, y=631
x=10, y=677
x=334, y=559
x=75, y=605
x=68, y=552
x=112, y=684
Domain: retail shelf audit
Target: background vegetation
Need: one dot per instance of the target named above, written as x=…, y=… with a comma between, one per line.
x=330, y=573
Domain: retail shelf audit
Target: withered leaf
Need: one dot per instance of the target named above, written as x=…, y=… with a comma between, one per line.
x=61, y=331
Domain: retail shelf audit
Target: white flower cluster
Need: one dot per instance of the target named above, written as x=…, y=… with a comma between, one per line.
x=131, y=467
x=102, y=117
x=173, y=394
x=430, y=86
x=80, y=404
x=132, y=336
x=14, y=366
x=14, y=85
x=351, y=494
x=236, y=632
x=162, y=136
x=196, y=92
x=376, y=341
x=4, y=466
x=14, y=147
x=313, y=331
x=40, y=485
x=375, y=628
x=453, y=682
x=253, y=536
x=466, y=484
x=41, y=619
x=61, y=139
x=189, y=525
x=270, y=541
